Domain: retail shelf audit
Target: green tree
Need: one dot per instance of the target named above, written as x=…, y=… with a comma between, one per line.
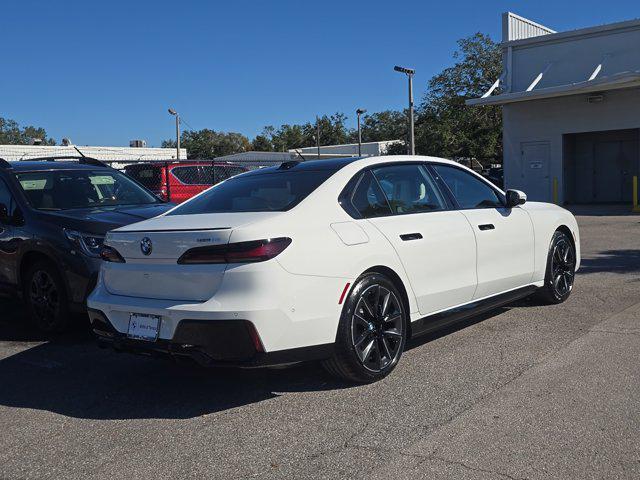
x=332, y=131
x=261, y=144
x=285, y=137
x=205, y=143
x=397, y=149
x=447, y=127
x=386, y=125
x=12, y=134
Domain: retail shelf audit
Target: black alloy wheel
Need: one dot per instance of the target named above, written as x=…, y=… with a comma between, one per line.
x=46, y=298
x=561, y=269
x=563, y=264
x=377, y=328
x=372, y=331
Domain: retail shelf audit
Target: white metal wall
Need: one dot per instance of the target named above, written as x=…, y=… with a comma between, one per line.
x=24, y=152
x=547, y=120
x=575, y=59
x=515, y=27
x=368, y=148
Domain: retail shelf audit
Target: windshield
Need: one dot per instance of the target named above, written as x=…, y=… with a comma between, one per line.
x=68, y=189
x=262, y=192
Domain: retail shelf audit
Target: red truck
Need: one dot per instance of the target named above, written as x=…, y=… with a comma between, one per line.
x=185, y=179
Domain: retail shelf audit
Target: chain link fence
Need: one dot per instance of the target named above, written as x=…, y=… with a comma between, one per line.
x=170, y=179
x=178, y=181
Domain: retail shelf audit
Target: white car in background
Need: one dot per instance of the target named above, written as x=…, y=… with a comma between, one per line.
x=334, y=260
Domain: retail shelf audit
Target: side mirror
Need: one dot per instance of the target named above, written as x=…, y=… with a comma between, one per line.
x=515, y=198
x=4, y=214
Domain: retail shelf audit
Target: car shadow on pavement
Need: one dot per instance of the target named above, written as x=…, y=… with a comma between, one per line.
x=462, y=324
x=614, y=261
x=70, y=375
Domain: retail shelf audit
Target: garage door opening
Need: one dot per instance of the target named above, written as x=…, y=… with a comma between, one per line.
x=599, y=166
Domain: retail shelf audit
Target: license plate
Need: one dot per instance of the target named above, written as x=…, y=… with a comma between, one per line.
x=144, y=327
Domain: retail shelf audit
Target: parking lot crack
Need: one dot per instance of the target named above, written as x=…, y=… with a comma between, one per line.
x=468, y=467
x=345, y=445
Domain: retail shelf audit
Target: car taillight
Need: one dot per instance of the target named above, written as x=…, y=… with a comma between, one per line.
x=255, y=337
x=241, y=252
x=109, y=254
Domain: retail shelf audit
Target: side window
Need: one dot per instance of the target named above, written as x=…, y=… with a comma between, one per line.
x=368, y=199
x=187, y=175
x=409, y=189
x=468, y=191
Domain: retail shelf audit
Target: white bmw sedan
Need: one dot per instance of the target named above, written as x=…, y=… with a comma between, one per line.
x=334, y=260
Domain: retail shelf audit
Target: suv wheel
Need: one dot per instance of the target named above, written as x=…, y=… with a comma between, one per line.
x=372, y=331
x=46, y=298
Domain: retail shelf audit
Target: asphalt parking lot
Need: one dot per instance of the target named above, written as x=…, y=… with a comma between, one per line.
x=527, y=391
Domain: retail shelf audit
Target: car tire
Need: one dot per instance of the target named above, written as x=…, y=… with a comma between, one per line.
x=560, y=272
x=46, y=297
x=372, y=331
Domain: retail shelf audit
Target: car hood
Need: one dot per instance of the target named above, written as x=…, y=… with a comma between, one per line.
x=101, y=220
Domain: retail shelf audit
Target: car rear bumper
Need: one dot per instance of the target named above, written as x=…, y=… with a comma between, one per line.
x=230, y=343
x=288, y=311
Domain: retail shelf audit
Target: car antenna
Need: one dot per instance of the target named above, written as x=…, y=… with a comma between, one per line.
x=78, y=150
x=300, y=155
x=89, y=160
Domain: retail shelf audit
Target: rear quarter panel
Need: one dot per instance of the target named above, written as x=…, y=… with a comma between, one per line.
x=321, y=248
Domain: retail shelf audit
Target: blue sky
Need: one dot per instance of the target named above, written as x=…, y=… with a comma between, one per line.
x=103, y=73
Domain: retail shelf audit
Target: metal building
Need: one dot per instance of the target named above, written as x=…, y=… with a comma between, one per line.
x=368, y=149
x=571, y=110
x=107, y=153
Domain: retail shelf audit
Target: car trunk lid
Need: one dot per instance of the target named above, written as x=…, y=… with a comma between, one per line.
x=152, y=248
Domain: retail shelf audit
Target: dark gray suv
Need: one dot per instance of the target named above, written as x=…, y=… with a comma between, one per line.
x=54, y=214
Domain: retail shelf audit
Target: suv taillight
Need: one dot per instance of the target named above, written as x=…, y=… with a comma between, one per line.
x=241, y=252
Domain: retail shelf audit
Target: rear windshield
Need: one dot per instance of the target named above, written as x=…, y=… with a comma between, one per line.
x=68, y=189
x=266, y=192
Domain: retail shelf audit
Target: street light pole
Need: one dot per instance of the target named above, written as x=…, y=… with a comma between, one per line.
x=318, y=135
x=359, y=112
x=177, y=115
x=409, y=72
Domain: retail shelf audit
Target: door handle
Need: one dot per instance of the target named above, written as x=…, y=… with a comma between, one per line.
x=486, y=226
x=411, y=236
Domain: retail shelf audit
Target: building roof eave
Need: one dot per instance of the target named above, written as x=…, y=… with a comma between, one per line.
x=572, y=34
x=611, y=82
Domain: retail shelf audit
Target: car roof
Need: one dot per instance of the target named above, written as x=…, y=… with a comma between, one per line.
x=40, y=165
x=335, y=164
x=329, y=164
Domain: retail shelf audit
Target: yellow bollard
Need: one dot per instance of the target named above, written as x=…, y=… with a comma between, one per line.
x=555, y=190
x=636, y=208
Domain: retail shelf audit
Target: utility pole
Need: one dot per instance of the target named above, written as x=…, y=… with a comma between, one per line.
x=410, y=73
x=177, y=115
x=359, y=112
x=318, y=135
